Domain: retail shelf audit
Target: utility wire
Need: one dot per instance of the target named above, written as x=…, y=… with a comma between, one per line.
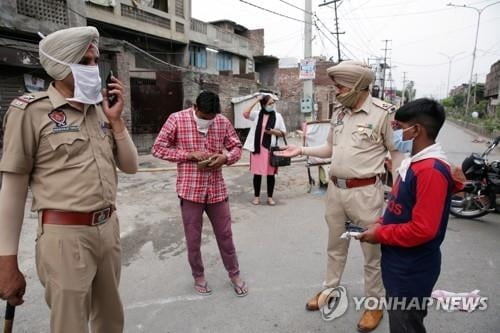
x=296, y=7
x=398, y=15
x=275, y=13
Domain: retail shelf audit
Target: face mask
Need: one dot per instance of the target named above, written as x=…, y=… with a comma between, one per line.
x=87, y=82
x=202, y=124
x=349, y=99
x=269, y=108
x=404, y=146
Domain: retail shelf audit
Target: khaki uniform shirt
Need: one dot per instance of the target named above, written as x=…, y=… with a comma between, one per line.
x=361, y=139
x=68, y=153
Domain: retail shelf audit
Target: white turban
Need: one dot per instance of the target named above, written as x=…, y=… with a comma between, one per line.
x=67, y=46
x=349, y=72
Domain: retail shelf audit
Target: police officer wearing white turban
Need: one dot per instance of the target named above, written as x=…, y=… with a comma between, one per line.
x=359, y=140
x=65, y=144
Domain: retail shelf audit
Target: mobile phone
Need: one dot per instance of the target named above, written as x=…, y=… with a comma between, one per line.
x=111, y=98
x=352, y=228
x=206, y=163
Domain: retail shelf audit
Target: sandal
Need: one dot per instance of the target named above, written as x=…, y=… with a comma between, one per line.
x=203, y=289
x=271, y=202
x=256, y=201
x=240, y=290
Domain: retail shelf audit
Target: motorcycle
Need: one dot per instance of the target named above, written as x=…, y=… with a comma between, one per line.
x=481, y=194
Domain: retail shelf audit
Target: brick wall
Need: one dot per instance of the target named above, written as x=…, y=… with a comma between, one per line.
x=291, y=87
x=227, y=86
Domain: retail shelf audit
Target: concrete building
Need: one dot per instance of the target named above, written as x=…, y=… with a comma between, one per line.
x=458, y=90
x=163, y=55
x=492, y=88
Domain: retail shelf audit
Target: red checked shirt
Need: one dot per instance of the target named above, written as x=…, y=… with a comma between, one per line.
x=179, y=136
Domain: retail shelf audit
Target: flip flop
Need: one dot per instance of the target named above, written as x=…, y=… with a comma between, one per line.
x=207, y=291
x=238, y=289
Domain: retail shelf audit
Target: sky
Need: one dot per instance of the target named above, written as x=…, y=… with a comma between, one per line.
x=421, y=31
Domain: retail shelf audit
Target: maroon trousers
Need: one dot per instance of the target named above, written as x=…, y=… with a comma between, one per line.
x=220, y=217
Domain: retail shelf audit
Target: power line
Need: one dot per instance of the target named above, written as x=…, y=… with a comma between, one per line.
x=296, y=7
x=275, y=13
x=403, y=14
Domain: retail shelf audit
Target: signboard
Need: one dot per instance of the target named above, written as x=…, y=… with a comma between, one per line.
x=307, y=69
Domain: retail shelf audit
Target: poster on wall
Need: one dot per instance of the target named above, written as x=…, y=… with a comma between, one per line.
x=307, y=69
x=33, y=83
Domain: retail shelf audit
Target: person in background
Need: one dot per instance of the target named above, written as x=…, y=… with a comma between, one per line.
x=268, y=125
x=201, y=141
x=414, y=224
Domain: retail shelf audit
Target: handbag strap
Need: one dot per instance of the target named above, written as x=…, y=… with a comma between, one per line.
x=282, y=136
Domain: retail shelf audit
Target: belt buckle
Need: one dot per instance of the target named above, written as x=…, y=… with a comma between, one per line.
x=342, y=183
x=101, y=216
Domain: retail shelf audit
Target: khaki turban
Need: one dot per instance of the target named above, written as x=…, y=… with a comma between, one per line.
x=68, y=46
x=349, y=72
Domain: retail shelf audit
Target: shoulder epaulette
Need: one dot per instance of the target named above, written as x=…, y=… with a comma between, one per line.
x=390, y=108
x=23, y=101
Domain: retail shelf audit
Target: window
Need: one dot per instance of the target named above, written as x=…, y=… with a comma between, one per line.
x=161, y=5
x=179, y=27
x=224, y=61
x=179, y=8
x=198, y=56
x=143, y=16
x=54, y=11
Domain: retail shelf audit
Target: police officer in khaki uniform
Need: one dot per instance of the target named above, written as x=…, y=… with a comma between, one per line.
x=358, y=143
x=65, y=144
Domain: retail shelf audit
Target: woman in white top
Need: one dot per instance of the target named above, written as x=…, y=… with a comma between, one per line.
x=267, y=126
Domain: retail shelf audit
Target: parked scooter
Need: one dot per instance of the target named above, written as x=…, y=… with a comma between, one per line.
x=481, y=194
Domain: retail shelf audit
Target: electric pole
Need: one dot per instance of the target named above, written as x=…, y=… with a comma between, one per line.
x=404, y=87
x=308, y=83
x=479, y=12
x=384, y=66
x=450, y=60
x=336, y=33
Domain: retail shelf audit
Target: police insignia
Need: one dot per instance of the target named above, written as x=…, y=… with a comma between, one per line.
x=59, y=117
x=26, y=98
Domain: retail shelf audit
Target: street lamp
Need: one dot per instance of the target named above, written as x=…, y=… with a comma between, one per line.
x=479, y=12
x=450, y=60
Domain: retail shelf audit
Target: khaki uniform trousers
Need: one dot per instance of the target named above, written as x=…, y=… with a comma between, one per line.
x=362, y=206
x=79, y=266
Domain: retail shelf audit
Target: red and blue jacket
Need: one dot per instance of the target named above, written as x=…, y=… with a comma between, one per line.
x=413, y=228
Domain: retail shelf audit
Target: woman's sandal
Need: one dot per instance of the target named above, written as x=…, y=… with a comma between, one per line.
x=271, y=202
x=240, y=290
x=203, y=289
x=255, y=201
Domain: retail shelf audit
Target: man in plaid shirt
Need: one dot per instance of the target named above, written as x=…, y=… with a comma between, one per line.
x=201, y=140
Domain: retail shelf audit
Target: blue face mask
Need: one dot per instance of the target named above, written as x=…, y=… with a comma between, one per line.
x=269, y=108
x=404, y=146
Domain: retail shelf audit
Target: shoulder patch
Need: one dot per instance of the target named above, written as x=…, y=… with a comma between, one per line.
x=390, y=108
x=23, y=101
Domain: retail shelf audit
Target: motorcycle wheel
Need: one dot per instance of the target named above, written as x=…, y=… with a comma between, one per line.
x=469, y=205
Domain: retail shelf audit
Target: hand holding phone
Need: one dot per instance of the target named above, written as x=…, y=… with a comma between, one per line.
x=112, y=99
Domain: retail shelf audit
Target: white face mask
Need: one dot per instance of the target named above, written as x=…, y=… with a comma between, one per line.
x=202, y=124
x=87, y=82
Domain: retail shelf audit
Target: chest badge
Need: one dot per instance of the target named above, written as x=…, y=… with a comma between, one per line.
x=58, y=117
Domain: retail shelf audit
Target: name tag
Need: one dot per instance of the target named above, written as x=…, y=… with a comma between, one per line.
x=66, y=129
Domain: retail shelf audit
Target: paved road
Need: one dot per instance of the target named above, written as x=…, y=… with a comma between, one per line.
x=282, y=257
